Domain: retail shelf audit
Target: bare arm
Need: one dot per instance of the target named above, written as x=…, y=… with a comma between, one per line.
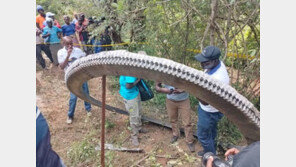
x=38, y=32
x=231, y=151
x=130, y=85
x=78, y=28
x=46, y=35
x=210, y=162
x=160, y=89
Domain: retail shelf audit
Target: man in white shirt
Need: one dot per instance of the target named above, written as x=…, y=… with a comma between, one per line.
x=66, y=56
x=208, y=116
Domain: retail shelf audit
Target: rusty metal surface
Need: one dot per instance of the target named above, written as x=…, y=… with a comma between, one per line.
x=103, y=121
x=226, y=99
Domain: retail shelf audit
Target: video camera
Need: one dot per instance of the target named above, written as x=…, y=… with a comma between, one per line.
x=93, y=20
x=217, y=162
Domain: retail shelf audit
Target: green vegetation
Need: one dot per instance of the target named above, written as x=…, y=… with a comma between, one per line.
x=83, y=153
x=227, y=134
x=172, y=29
x=109, y=124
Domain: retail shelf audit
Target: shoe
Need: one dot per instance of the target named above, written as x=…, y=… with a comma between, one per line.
x=69, y=120
x=174, y=139
x=200, y=153
x=135, y=140
x=191, y=147
x=142, y=130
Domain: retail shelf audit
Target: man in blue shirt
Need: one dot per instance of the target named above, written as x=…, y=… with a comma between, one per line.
x=52, y=34
x=45, y=156
x=132, y=101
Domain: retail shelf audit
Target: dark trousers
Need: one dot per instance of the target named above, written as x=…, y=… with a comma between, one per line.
x=207, y=129
x=46, y=50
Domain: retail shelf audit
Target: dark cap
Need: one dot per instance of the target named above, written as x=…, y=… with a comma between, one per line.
x=208, y=53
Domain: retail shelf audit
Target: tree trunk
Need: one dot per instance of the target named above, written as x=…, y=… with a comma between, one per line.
x=214, y=6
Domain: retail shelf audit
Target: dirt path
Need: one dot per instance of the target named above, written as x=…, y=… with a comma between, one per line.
x=52, y=100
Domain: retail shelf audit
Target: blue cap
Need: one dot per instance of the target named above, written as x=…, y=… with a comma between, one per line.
x=208, y=53
x=39, y=7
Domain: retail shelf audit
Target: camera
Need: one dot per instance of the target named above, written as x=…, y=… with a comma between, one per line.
x=93, y=20
x=217, y=162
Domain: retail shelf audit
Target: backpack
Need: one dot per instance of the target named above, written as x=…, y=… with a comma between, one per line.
x=145, y=91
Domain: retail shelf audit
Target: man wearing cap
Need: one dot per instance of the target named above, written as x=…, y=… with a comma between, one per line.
x=209, y=116
x=55, y=22
x=52, y=35
x=40, y=18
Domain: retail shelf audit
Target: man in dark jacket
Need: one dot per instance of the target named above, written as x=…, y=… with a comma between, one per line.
x=45, y=156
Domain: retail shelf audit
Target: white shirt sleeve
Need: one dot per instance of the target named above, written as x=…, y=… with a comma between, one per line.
x=61, y=57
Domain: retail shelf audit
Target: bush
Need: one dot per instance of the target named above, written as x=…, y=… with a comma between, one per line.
x=228, y=134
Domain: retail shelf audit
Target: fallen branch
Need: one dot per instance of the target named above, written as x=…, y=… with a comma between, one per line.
x=111, y=147
x=141, y=160
x=126, y=139
x=161, y=156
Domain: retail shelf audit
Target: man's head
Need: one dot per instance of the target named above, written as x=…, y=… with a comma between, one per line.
x=75, y=15
x=80, y=20
x=40, y=10
x=209, y=57
x=67, y=42
x=210, y=64
x=82, y=16
x=49, y=22
x=67, y=20
x=50, y=15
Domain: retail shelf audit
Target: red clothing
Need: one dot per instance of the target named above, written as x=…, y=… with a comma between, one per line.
x=56, y=23
x=81, y=28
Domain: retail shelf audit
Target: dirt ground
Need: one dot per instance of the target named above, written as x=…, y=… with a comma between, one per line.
x=52, y=99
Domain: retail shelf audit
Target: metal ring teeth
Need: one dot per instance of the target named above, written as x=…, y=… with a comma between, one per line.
x=122, y=57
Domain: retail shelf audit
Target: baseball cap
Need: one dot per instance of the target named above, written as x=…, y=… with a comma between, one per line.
x=39, y=7
x=208, y=53
x=48, y=14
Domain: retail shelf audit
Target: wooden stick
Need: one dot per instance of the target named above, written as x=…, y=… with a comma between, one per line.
x=141, y=160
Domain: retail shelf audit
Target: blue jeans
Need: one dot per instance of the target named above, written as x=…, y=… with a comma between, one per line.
x=73, y=100
x=207, y=129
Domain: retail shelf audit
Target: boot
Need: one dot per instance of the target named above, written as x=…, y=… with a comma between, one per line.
x=191, y=147
x=174, y=139
x=134, y=135
x=135, y=141
x=142, y=130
